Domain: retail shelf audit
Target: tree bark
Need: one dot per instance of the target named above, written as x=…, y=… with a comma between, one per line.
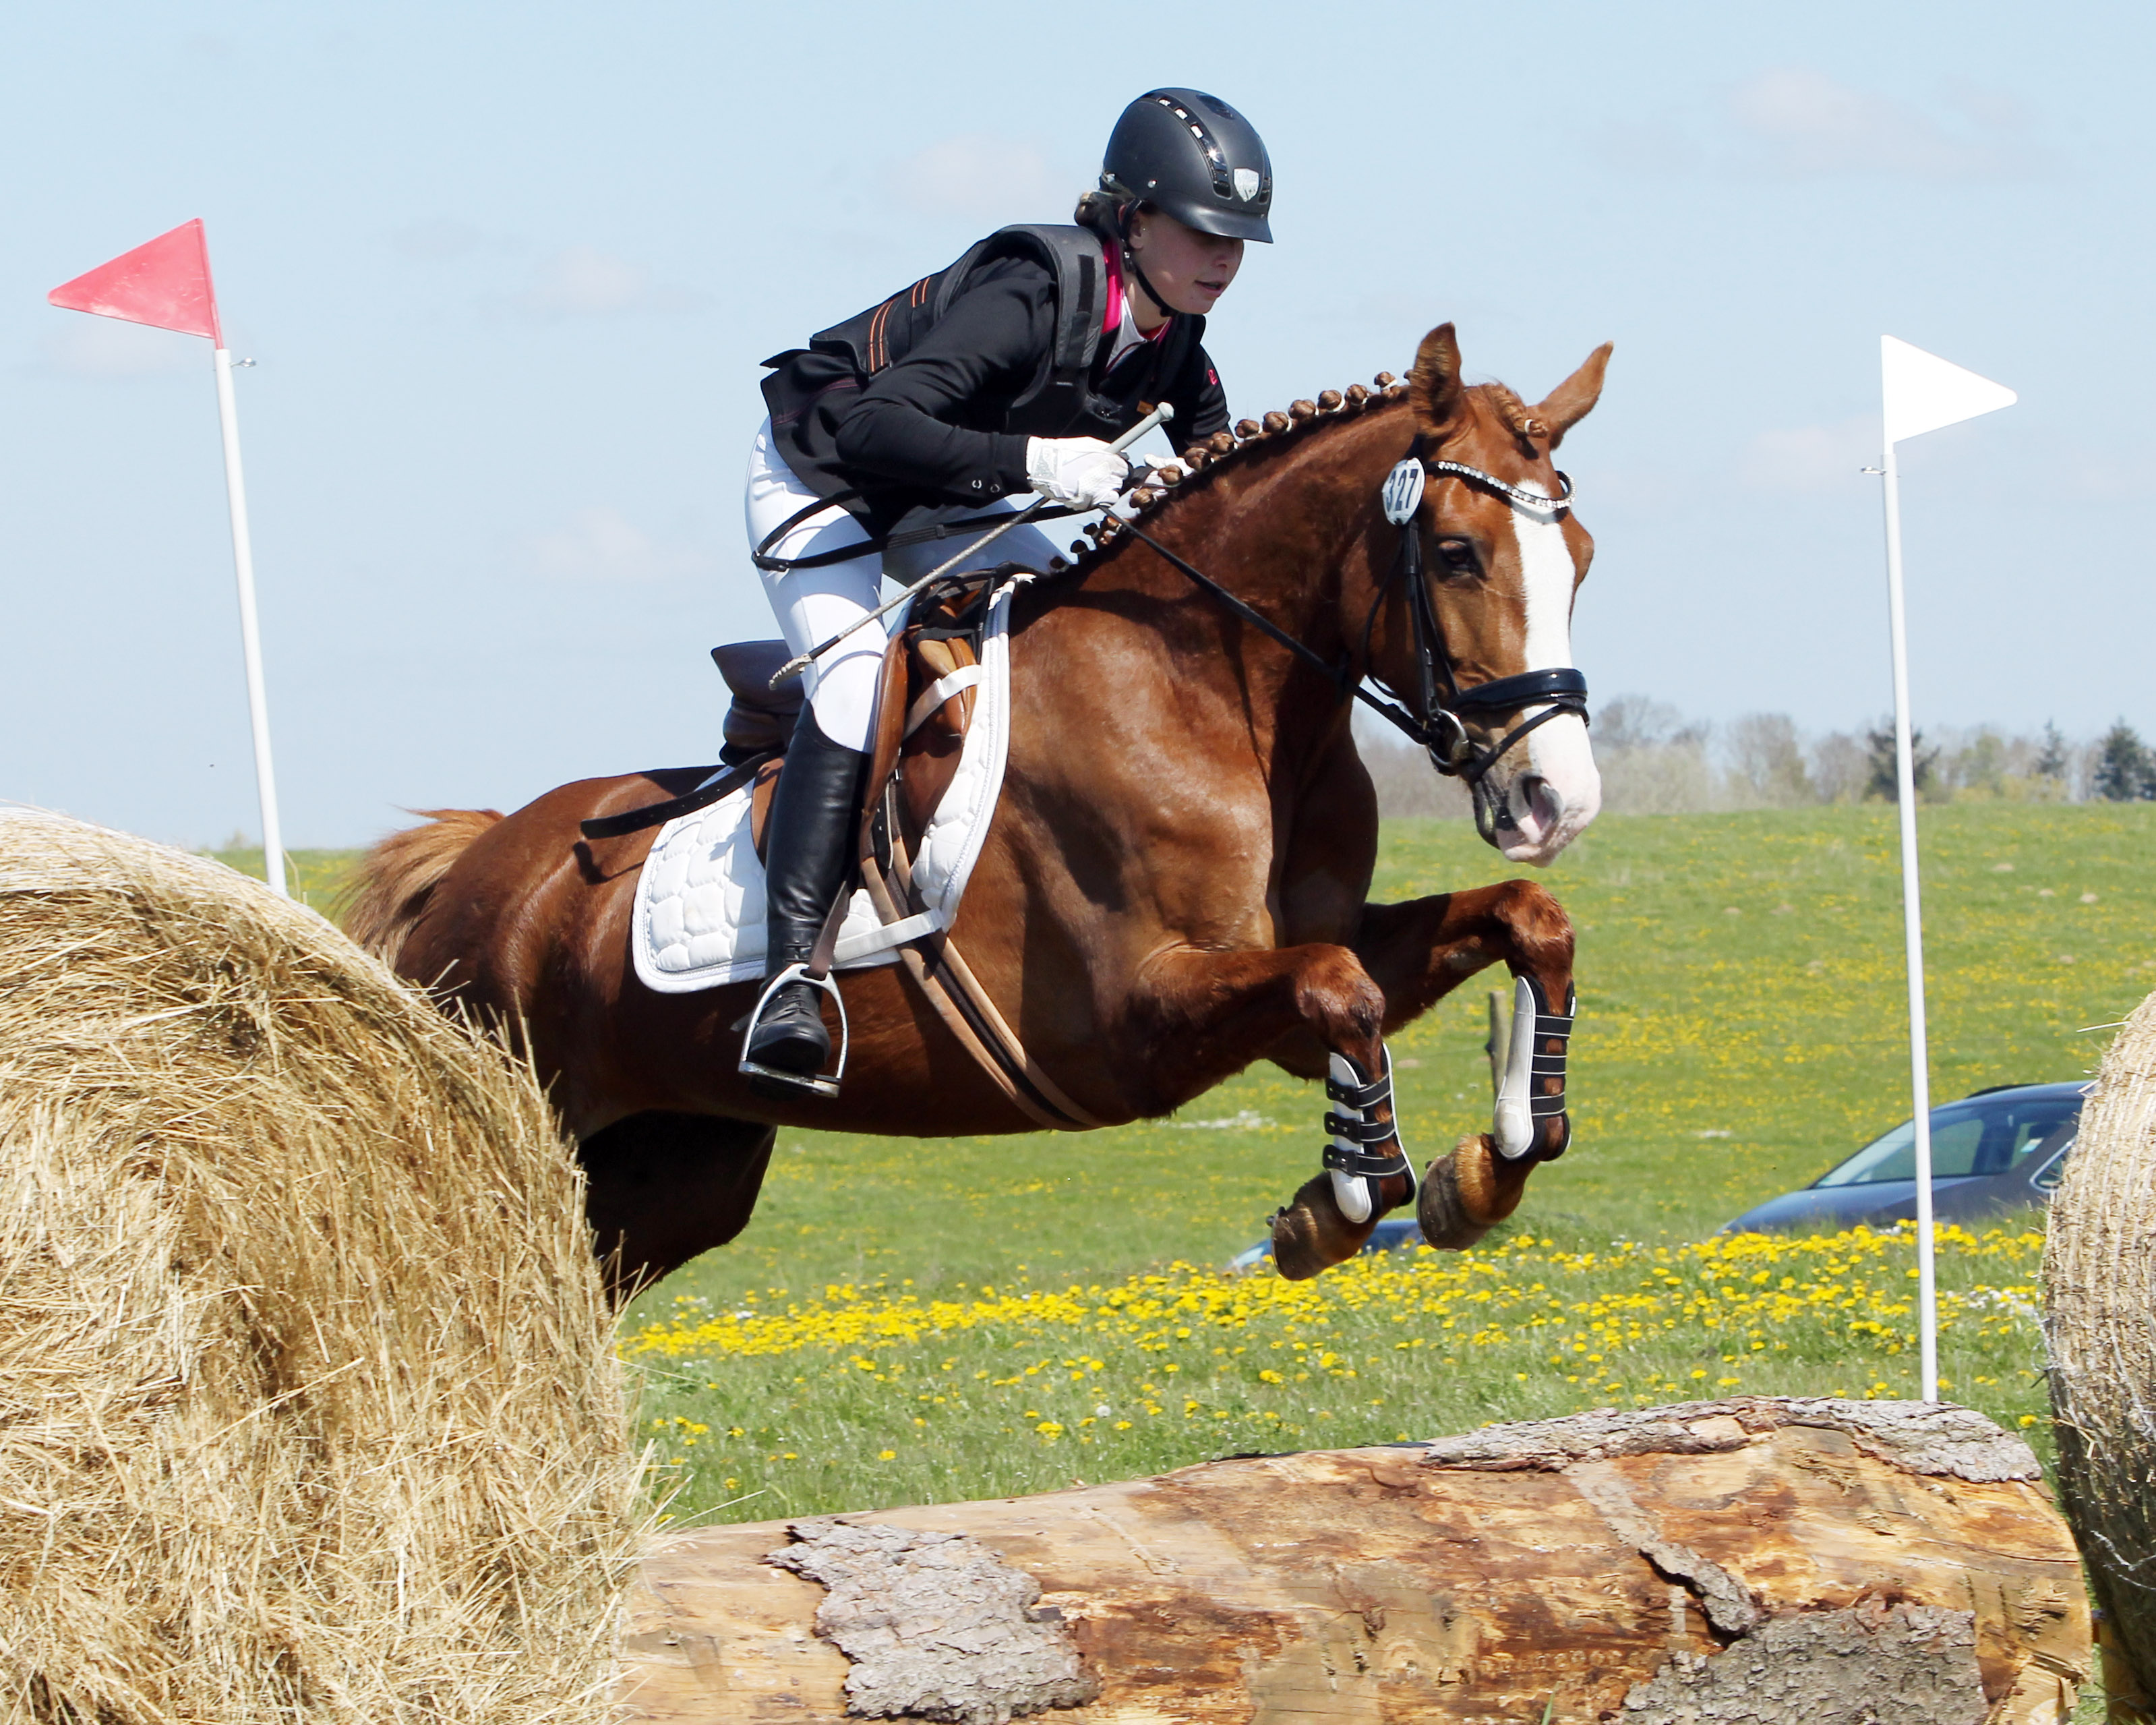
x=1785, y=1562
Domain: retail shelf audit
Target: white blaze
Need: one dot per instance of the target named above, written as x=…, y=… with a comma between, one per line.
x=1556, y=791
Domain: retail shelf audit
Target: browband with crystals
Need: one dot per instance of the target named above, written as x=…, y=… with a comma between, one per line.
x=1518, y=494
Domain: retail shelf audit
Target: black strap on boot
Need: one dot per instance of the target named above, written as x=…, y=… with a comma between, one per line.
x=1359, y=1143
x=1553, y=1042
x=815, y=810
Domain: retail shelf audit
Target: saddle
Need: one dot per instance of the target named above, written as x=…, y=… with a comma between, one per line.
x=925, y=677
x=924, y=708
x=930, y=667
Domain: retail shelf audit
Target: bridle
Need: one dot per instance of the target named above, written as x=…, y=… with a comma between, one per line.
x=1440, y=726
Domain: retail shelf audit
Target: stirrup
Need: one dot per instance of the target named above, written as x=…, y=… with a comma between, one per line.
x=1363, y=1150
x=816, y=1084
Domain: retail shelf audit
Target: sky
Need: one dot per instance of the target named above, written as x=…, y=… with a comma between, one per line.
x=507, y=272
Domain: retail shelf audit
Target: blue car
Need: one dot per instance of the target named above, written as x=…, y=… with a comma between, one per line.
x=1998, y=1150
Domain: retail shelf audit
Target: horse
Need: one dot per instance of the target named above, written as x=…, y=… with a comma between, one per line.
x=1174, y=884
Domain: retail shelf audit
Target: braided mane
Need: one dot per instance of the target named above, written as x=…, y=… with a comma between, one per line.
x=1229, y=451
x=1519, y=419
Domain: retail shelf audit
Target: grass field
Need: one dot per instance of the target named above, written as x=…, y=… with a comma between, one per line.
x=911, y=1322
x=1741, y=1027
x=849, y=1395
x=314, y=876
x=905, y=1321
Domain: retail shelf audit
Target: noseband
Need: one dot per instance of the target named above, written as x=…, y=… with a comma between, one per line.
x=1440, y=727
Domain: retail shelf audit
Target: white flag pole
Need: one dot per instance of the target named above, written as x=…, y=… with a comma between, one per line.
x=1912, y=936
x=1919, y=392
x=250, y=636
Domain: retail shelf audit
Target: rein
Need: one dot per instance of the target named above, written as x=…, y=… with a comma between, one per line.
x=1440, y=729
x=894, y=541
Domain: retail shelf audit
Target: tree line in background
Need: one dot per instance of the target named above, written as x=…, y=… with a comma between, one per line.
x=1655, y=761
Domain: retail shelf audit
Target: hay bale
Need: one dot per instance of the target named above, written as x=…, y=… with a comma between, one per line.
x=309, y=1408
x=2100, y=1282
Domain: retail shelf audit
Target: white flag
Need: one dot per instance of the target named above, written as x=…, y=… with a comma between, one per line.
x=1924, y=392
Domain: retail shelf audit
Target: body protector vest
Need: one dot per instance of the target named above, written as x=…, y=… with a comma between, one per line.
x=810, y=389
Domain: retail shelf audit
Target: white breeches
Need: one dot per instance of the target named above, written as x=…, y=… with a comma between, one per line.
x=814, y=605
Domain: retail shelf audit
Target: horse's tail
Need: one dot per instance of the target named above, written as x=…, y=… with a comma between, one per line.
x=397, y=877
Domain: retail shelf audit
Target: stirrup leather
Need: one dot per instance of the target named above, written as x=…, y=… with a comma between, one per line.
x=817, y=1084
x=1362, y=1151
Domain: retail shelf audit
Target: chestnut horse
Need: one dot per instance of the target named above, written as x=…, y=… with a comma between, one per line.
x=1174, y=884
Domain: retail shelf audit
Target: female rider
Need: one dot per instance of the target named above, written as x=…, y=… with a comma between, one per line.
x=1001, y=376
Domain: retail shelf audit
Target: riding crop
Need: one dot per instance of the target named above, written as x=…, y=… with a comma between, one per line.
x=794, y=667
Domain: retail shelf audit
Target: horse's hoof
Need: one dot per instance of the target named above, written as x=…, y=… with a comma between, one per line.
x=1311, y=1234
x=1466, y=1193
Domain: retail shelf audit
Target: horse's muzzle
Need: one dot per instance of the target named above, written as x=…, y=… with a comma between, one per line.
x=1532, y=810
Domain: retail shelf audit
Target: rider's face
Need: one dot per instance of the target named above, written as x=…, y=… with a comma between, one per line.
x=1188, y=270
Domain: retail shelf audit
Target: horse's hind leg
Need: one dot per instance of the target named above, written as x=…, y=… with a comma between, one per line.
x=662, y=1189
x=1418, y=952
x=1211, y=1011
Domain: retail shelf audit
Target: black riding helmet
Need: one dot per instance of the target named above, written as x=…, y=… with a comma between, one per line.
x=1192, y=156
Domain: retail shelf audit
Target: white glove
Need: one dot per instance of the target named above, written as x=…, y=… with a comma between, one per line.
x=1083, y=470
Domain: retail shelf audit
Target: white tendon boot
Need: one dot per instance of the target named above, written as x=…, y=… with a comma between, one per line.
x=1534, y=1054
x=1364, y=1151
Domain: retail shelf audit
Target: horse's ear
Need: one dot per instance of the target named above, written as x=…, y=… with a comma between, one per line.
x=1433, y=384
x=1575, y=399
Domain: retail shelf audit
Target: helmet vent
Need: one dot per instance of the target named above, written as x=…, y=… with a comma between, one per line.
x=1194, y=157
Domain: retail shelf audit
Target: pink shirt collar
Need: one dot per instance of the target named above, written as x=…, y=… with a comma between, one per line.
x=1117, y=300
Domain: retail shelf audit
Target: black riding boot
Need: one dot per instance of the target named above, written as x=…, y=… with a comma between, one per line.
x=814, y=812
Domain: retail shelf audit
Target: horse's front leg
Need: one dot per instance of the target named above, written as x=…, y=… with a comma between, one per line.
x=1204, y=1015
x=1419, y=951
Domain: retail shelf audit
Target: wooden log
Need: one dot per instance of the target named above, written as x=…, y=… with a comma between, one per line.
x=1808, y=1562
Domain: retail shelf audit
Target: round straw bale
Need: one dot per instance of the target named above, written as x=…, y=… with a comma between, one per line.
x=2100, y=1321
x=308, y=1407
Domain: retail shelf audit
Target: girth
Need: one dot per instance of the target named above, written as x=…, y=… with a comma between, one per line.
x=884, y=865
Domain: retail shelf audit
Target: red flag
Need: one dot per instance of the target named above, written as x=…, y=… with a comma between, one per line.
x=165, y=283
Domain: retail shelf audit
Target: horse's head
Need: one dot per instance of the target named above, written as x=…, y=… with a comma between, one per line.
x=1500, y=569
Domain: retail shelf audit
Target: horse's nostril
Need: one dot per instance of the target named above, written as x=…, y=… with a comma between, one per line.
x=1536, y=808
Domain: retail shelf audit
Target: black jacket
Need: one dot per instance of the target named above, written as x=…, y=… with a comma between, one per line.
x=910, y=410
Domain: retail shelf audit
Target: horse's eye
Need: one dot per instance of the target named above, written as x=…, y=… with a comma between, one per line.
x=1456, y=557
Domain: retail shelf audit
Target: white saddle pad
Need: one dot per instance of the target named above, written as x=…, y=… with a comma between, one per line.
x=699, y=906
